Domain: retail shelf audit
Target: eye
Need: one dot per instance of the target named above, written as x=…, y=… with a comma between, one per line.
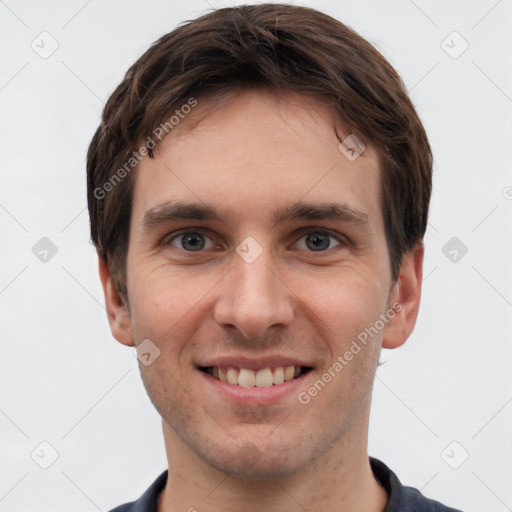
x=317, y=241
x=195, y=241
x=191, y=241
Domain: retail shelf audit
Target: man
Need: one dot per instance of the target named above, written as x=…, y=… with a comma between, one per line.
x=258, y=192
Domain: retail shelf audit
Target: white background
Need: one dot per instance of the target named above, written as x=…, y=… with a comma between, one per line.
x=66, y=381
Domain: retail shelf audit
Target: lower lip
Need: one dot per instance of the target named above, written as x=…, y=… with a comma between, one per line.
x=255, y=396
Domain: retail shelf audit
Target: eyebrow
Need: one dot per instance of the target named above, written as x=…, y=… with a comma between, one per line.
x=178, y=210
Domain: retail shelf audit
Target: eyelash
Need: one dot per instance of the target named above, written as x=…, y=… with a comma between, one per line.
x=342, y=241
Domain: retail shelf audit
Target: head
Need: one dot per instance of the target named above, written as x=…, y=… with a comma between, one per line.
x=242, y=112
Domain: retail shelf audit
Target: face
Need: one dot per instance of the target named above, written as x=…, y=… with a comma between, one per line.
x=257, y=255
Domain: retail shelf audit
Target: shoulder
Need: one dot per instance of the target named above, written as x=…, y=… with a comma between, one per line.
x=127, y=507
x=403, y=498
x=413, y=500
x=148, y=501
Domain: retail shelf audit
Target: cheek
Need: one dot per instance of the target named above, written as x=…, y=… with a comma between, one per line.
x=165, y=307
x=162, y=297
x=344, y=303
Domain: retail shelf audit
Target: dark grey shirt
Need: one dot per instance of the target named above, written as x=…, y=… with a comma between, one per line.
x=401, y=498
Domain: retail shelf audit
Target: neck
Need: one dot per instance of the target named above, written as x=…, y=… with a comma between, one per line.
x=341, y=479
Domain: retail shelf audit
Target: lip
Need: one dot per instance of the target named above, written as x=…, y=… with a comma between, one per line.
x=253, y=364
x=253, y=396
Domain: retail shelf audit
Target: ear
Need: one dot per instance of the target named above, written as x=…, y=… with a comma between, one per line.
x=118, y=313
x=406, y=296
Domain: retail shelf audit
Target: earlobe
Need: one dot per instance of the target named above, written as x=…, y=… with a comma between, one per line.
x=118, y=313
x=406, y=294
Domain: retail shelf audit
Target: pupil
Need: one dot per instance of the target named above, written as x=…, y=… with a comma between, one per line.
x=318, y=242
x=193, y=242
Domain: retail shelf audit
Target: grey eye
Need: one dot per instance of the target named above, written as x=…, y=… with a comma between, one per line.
x=317, y=241
x=191, y=241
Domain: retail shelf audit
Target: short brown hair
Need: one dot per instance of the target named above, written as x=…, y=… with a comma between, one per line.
x=275, y=46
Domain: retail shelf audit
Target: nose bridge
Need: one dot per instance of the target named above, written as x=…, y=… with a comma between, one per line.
x=252, y=298
x=254, y=280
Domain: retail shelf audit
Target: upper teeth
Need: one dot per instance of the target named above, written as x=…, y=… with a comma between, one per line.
x=263, y=378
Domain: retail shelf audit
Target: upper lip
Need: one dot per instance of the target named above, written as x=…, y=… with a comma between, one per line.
x=252, y=363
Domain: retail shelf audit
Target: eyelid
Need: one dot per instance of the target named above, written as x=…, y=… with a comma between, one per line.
x=342, y=240
x=170, y=237
x=306, y=230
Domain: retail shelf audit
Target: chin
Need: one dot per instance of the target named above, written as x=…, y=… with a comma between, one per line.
x=261, y=470
x=258, y=459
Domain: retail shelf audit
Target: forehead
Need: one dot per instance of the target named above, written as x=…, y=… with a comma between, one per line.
x=257, y=153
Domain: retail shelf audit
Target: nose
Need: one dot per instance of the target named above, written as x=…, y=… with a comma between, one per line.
x=253, y=298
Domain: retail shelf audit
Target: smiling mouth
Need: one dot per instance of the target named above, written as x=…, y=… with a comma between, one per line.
x=263, y=378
